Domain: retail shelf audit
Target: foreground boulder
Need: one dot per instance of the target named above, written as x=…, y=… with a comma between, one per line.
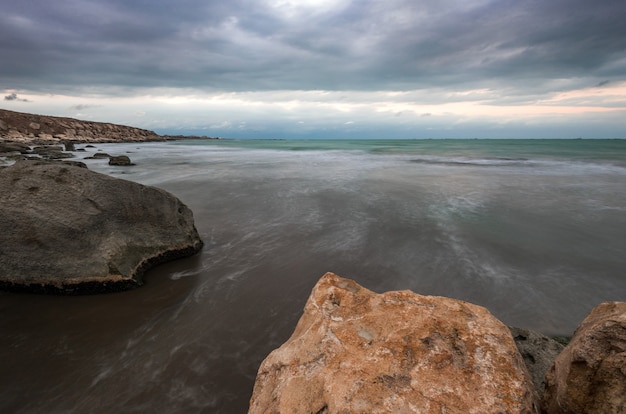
x=355, y=351
x=65, y=229
x=589, y=376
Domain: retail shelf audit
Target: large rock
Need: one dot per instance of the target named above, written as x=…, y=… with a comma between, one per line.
x=70, y=230
x=589, y=376
x=355, y=351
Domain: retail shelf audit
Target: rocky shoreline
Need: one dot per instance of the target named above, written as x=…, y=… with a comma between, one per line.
x=353, y=350
x=26, y=136
x=32, y=129
x=357, y=351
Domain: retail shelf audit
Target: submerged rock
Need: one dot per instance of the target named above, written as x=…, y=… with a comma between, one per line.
x=356, y=351
x=589, y=376
x=66, y=229
x=98, y=155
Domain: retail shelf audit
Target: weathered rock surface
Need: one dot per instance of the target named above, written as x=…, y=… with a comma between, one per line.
x=538, y=351
x=42, y=129
x=66, y=229
x=355, y=351
x=10, y=147
x=122, y=160
x=589, y=376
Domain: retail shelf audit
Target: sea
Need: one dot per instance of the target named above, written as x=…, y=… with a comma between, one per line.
x=533, y=230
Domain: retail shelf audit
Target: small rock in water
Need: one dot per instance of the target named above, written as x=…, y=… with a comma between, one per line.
x=120, y=160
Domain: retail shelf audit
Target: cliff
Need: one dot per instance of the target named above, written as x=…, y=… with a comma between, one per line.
x=41, y=129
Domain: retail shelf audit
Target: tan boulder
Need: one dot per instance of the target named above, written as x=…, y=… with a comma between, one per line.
x=355, y=351
x=589, y=376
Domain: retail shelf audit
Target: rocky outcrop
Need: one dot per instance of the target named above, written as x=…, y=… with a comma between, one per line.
x=21, y=151
x=40, y=129
x=589, y=376
x=66, y=229
x=355, y=351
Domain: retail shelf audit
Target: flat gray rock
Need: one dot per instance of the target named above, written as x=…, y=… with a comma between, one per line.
x=65, y=229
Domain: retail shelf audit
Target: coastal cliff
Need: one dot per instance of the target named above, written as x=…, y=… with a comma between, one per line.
x=41, y=129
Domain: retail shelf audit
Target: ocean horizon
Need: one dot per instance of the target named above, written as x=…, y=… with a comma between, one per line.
x=532, y=229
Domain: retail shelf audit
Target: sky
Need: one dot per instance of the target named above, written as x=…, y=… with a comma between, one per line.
x=322, y=68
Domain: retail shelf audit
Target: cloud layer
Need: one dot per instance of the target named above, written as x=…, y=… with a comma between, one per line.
x=341, y=57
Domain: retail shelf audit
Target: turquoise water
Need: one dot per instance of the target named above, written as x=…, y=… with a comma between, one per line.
x=533, y=230
x=602, y=150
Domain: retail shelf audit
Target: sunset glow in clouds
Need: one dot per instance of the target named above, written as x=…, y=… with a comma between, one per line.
x=330, y=69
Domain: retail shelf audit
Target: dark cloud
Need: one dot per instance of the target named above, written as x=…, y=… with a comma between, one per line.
x=13, y=97
x=359, y=45
x=82, y=107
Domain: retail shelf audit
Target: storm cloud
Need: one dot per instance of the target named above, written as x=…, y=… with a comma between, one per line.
x=510, y=52
x=13, y=97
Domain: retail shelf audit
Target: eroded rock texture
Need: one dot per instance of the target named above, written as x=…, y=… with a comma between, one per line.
x=589, y=376
x=66, y=229
x=355, y=351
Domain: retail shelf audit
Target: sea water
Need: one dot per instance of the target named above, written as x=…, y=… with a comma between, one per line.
x=533, y=230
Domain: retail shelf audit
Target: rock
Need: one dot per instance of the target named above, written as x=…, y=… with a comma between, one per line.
x=76, y=164
x=47, y=149
x=34, y=125
x=3, y=125
x=58, y=155
x=69, y=145
x=99, y=155
x=65, y=229
x=355, y=351
x=52, y=152
x=7, y=146
x=589, y=376
x=538, y=351
x=120, y=160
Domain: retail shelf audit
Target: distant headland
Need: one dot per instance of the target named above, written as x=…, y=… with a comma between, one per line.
x=44, y=129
